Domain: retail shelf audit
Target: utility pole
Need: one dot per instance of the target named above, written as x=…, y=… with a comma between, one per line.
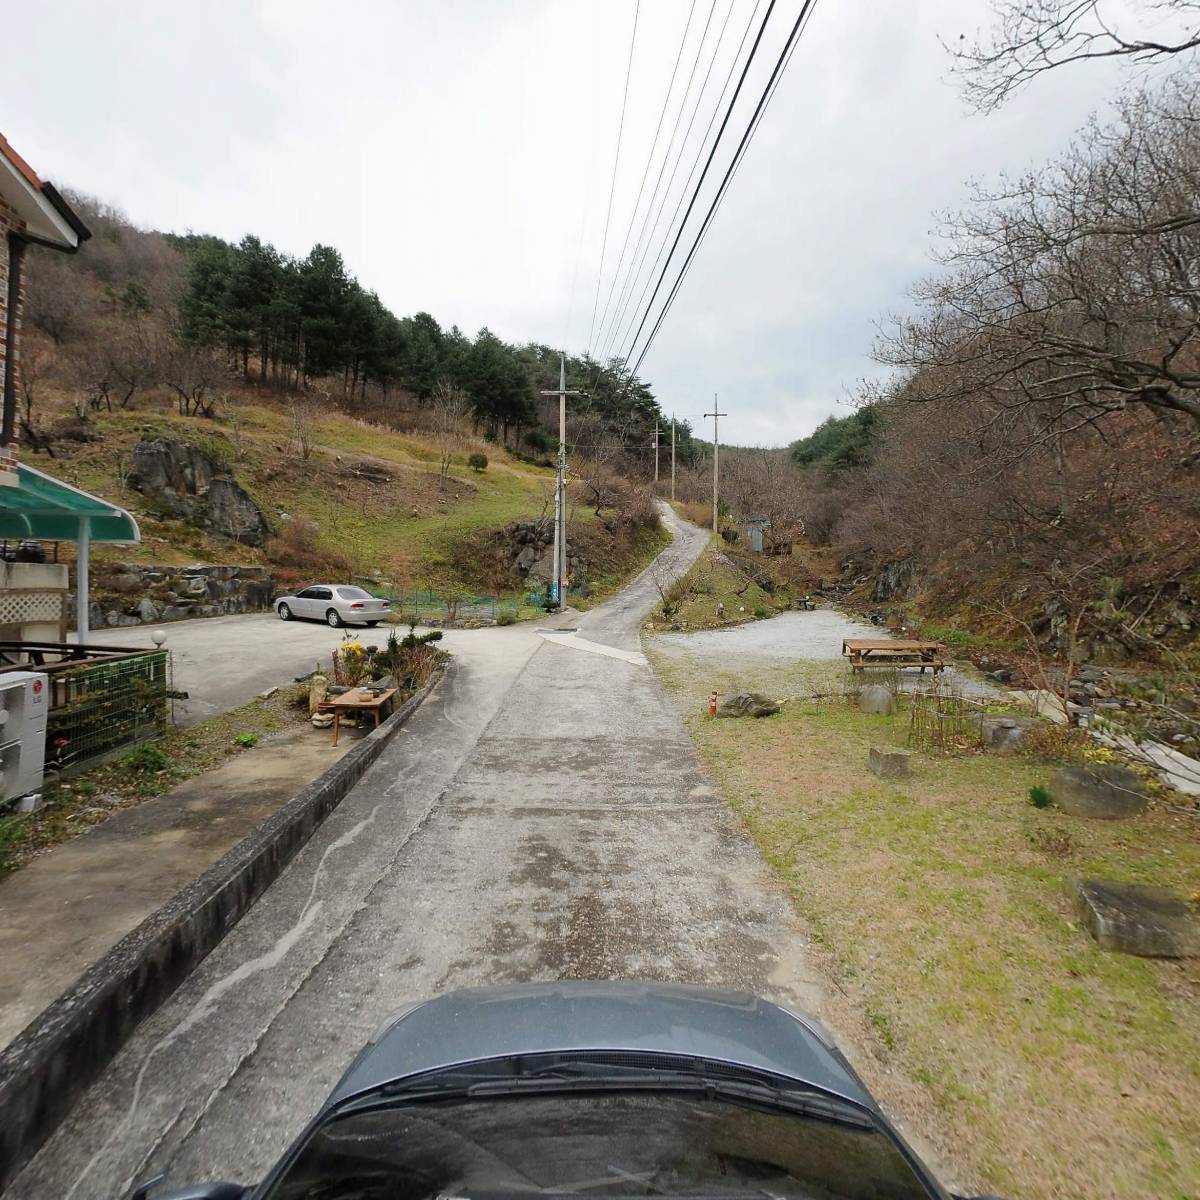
x=558, y=585
x=716, y=444
x=657, y=431
x=672, y=456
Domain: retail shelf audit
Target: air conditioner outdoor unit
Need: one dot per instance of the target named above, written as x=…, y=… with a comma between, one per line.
x=24, y=707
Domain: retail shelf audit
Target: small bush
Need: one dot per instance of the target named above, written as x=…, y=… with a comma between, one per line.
x=1039, y=796
x=506, y=616
x=539, y=439
x=246, y=740
x=477, y=461
x=760, y=612
x=1056, y=843
x=147, y=759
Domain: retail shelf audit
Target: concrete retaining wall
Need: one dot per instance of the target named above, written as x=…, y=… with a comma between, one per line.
x=63, y=1051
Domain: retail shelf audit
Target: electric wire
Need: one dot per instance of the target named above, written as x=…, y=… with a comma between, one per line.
x=773, y=84
x=657, y=204
x=768, y=92
x=649, y=160
x=648, y=306
x=616, y=164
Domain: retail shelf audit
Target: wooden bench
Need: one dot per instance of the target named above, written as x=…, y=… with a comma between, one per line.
x=864, y=653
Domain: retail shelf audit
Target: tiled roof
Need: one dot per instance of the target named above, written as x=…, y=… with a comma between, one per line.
x=18, y=162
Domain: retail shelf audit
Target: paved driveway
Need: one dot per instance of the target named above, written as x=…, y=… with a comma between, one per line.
x=222, y=662
x=543, y=816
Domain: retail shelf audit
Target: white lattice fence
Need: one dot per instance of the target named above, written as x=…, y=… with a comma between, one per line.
x=21, y=606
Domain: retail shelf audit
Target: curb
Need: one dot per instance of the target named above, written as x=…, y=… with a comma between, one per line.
x=49, y=1065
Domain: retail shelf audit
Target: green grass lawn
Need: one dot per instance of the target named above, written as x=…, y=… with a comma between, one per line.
x=1051, y=1068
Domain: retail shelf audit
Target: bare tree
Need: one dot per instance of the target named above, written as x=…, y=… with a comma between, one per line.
x=451, y=408
x=35, y=365
x=232, y=410
x=1073, y=293
x=1031, y=37
x=302, y=417
x=192, y=372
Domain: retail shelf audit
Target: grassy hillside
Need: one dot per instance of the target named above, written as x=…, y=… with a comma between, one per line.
x=367, y=499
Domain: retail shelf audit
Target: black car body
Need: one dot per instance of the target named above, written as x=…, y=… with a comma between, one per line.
x=608, y=1089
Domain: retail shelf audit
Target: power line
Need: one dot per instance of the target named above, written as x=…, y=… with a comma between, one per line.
x=616, y=163
x=641, y=251
x=703, y=174
x=768, y=92
x=649, y=159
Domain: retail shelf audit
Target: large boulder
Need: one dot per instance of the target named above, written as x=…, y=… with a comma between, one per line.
x=188, y=482
x=877, y=700
x=233, y=512
x=1005, y=734
x=1105, y=792
x=747, y=704
x=1137, y=919
x=172, y=474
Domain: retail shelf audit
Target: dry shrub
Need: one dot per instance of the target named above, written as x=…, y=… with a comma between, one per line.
x=1054, y=843
x=1053, y=743
x=696, y=511
x=297, y=550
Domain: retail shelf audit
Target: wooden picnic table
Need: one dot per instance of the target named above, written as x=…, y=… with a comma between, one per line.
x=891, y=652
x=358, y=700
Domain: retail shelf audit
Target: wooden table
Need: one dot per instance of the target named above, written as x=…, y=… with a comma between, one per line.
x=891, y=652
x=358, y=700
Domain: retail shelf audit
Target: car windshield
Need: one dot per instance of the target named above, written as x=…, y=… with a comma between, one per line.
x=599, y=1144
x=354, y=593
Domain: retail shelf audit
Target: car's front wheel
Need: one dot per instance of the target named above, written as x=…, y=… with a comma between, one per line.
x=333, y=618
x=285, y=613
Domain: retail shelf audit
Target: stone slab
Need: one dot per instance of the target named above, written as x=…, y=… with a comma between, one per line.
x=889, y=762
x=1102, y=792
x=1134, y=918
x=747, y=704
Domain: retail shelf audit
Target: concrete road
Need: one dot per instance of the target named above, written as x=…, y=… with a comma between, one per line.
x=543, y=816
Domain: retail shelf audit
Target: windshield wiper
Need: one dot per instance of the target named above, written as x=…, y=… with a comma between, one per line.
x=575, y=1075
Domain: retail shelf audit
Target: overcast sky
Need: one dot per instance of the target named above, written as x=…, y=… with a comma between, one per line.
x=455, y=150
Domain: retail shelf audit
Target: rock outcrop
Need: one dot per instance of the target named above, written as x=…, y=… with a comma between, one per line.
x=531, y=555
x=185, y=481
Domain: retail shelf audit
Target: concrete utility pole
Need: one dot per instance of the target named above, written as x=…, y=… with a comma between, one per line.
x=657, y=431
x=558, y=585
x=716, y=444
x=672, y=456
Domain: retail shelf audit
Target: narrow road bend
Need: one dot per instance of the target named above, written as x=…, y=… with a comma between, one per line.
x=543, y=816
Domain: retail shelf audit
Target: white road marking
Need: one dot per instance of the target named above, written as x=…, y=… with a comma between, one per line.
x=575, y=642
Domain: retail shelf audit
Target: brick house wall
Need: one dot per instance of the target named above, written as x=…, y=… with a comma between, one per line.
x=9, y=354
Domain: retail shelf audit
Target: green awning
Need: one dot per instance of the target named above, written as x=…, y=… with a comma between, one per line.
x=46, y=509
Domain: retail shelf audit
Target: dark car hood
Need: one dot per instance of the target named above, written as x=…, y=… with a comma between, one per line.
x=487, y=1023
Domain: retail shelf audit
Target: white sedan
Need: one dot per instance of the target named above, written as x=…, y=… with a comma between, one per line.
x=336, y=604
